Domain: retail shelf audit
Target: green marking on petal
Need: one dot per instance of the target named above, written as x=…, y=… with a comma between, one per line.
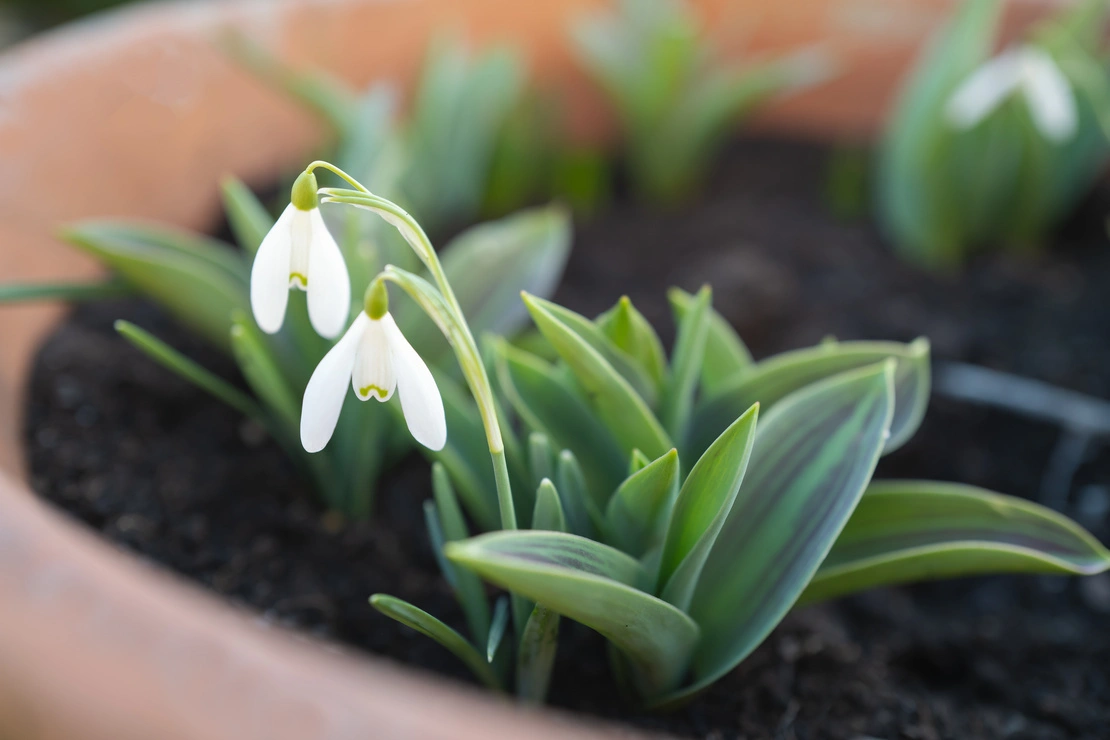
x=297, y=280
x=381, y=393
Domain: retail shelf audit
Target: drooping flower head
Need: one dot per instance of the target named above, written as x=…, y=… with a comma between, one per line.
x=300, y=253
x=373, y=358
x=1026, y=71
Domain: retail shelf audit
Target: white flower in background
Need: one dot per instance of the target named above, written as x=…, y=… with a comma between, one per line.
x=299, y=252
x=374, y=358
x=1026, y=71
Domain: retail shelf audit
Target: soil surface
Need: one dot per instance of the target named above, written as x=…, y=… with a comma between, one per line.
x=164, y=471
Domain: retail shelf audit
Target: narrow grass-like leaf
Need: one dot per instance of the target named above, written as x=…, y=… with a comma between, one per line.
x=548, y=514
x=813, y=456
x=638, y=512
x=726, y=355
x=904, y=531
x=427, y=625
x=541, y=458
x=630, y=331
x=435, y=536
x=546, y=403
x=617, y=404
x=248, y=218
x=536, y=658
x=262, y=375
x=466, y=454
x=468, y=587
x=112, y=287
x=703, y=507
x=677, y=403
x=577, y=504
x=199, y=281
x=776, y=377
x=497, y=627
x=637, y=461
x=594, y=584
x=174, y=361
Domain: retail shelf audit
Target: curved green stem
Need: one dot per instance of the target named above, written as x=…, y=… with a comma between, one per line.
x=321, y=164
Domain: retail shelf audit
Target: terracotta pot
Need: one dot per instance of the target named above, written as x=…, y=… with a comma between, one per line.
x=136, y=114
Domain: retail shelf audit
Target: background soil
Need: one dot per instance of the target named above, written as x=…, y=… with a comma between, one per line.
x=166, y=472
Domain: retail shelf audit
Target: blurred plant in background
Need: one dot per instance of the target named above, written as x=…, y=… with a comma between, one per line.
x=441, y=161
x=675, y=98
x=994, y=151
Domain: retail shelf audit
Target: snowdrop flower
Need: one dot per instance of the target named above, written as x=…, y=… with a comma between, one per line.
x=299, y=252
x=1027, y=71
x=374, y=358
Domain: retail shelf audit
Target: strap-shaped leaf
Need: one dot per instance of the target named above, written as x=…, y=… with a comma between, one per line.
x=536, y=657
x=726, y=355
x=702, y=509
x=174, y=361
x=548, y=514
x=111, y=287
x=904, y=531
x=466, y=454
x=248, y=218
x=497, y=627
x=541, y=458
x=776, y=377
x=677, y=404
x=638, y=512
x=594, y=584
x=813, y=456
x=197, y=280
x=631, y=332
x=468, y=587
x=574, y=496
x=262, y=374
x=624, y=364
x=547, y=403
x=620, y=407
x=429, y=626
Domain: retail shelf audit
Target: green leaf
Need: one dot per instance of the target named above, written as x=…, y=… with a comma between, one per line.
x=497, y=627
x=111, y=287
x=262, y=374
x=172, y=360
x=631, y=332
x=703, y=507
x=429, y=626
x=775, y=378
x=541, y=458
x=813, y=456
x=575, y=497
x=248, y=218
x=546, y=403
x=616, y=403
x=548, y=514
x=468, y=587
x=904, y=531
x=198, y=280
x=678, y=402
x=536, y=658
x=638, y=512
x=726, y=355
x=627, y=366
x=594, y=584
x=466, y=454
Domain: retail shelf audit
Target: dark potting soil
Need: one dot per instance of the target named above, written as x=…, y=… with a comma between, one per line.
x=171, y=475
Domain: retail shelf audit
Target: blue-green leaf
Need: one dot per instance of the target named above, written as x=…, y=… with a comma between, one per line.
x=813, y=456
x=548, y=514
x=677, y=403
x=594, y=584
x=638, y=512
x=620, y=407
x=632, y=333
x=703, y=507
x=726, y=355
x=904, y=531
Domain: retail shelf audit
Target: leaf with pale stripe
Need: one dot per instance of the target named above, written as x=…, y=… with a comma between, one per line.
x=594, y=584
x=773, y=379
x=904, y=531
x=813, y=456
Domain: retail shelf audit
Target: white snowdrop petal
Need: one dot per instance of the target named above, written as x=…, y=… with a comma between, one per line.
x=420, y=399
x=326, y=389
x=1049, y=96
x=270, y=275
x=329, y=285
x=983, y=90
x=373, y=376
